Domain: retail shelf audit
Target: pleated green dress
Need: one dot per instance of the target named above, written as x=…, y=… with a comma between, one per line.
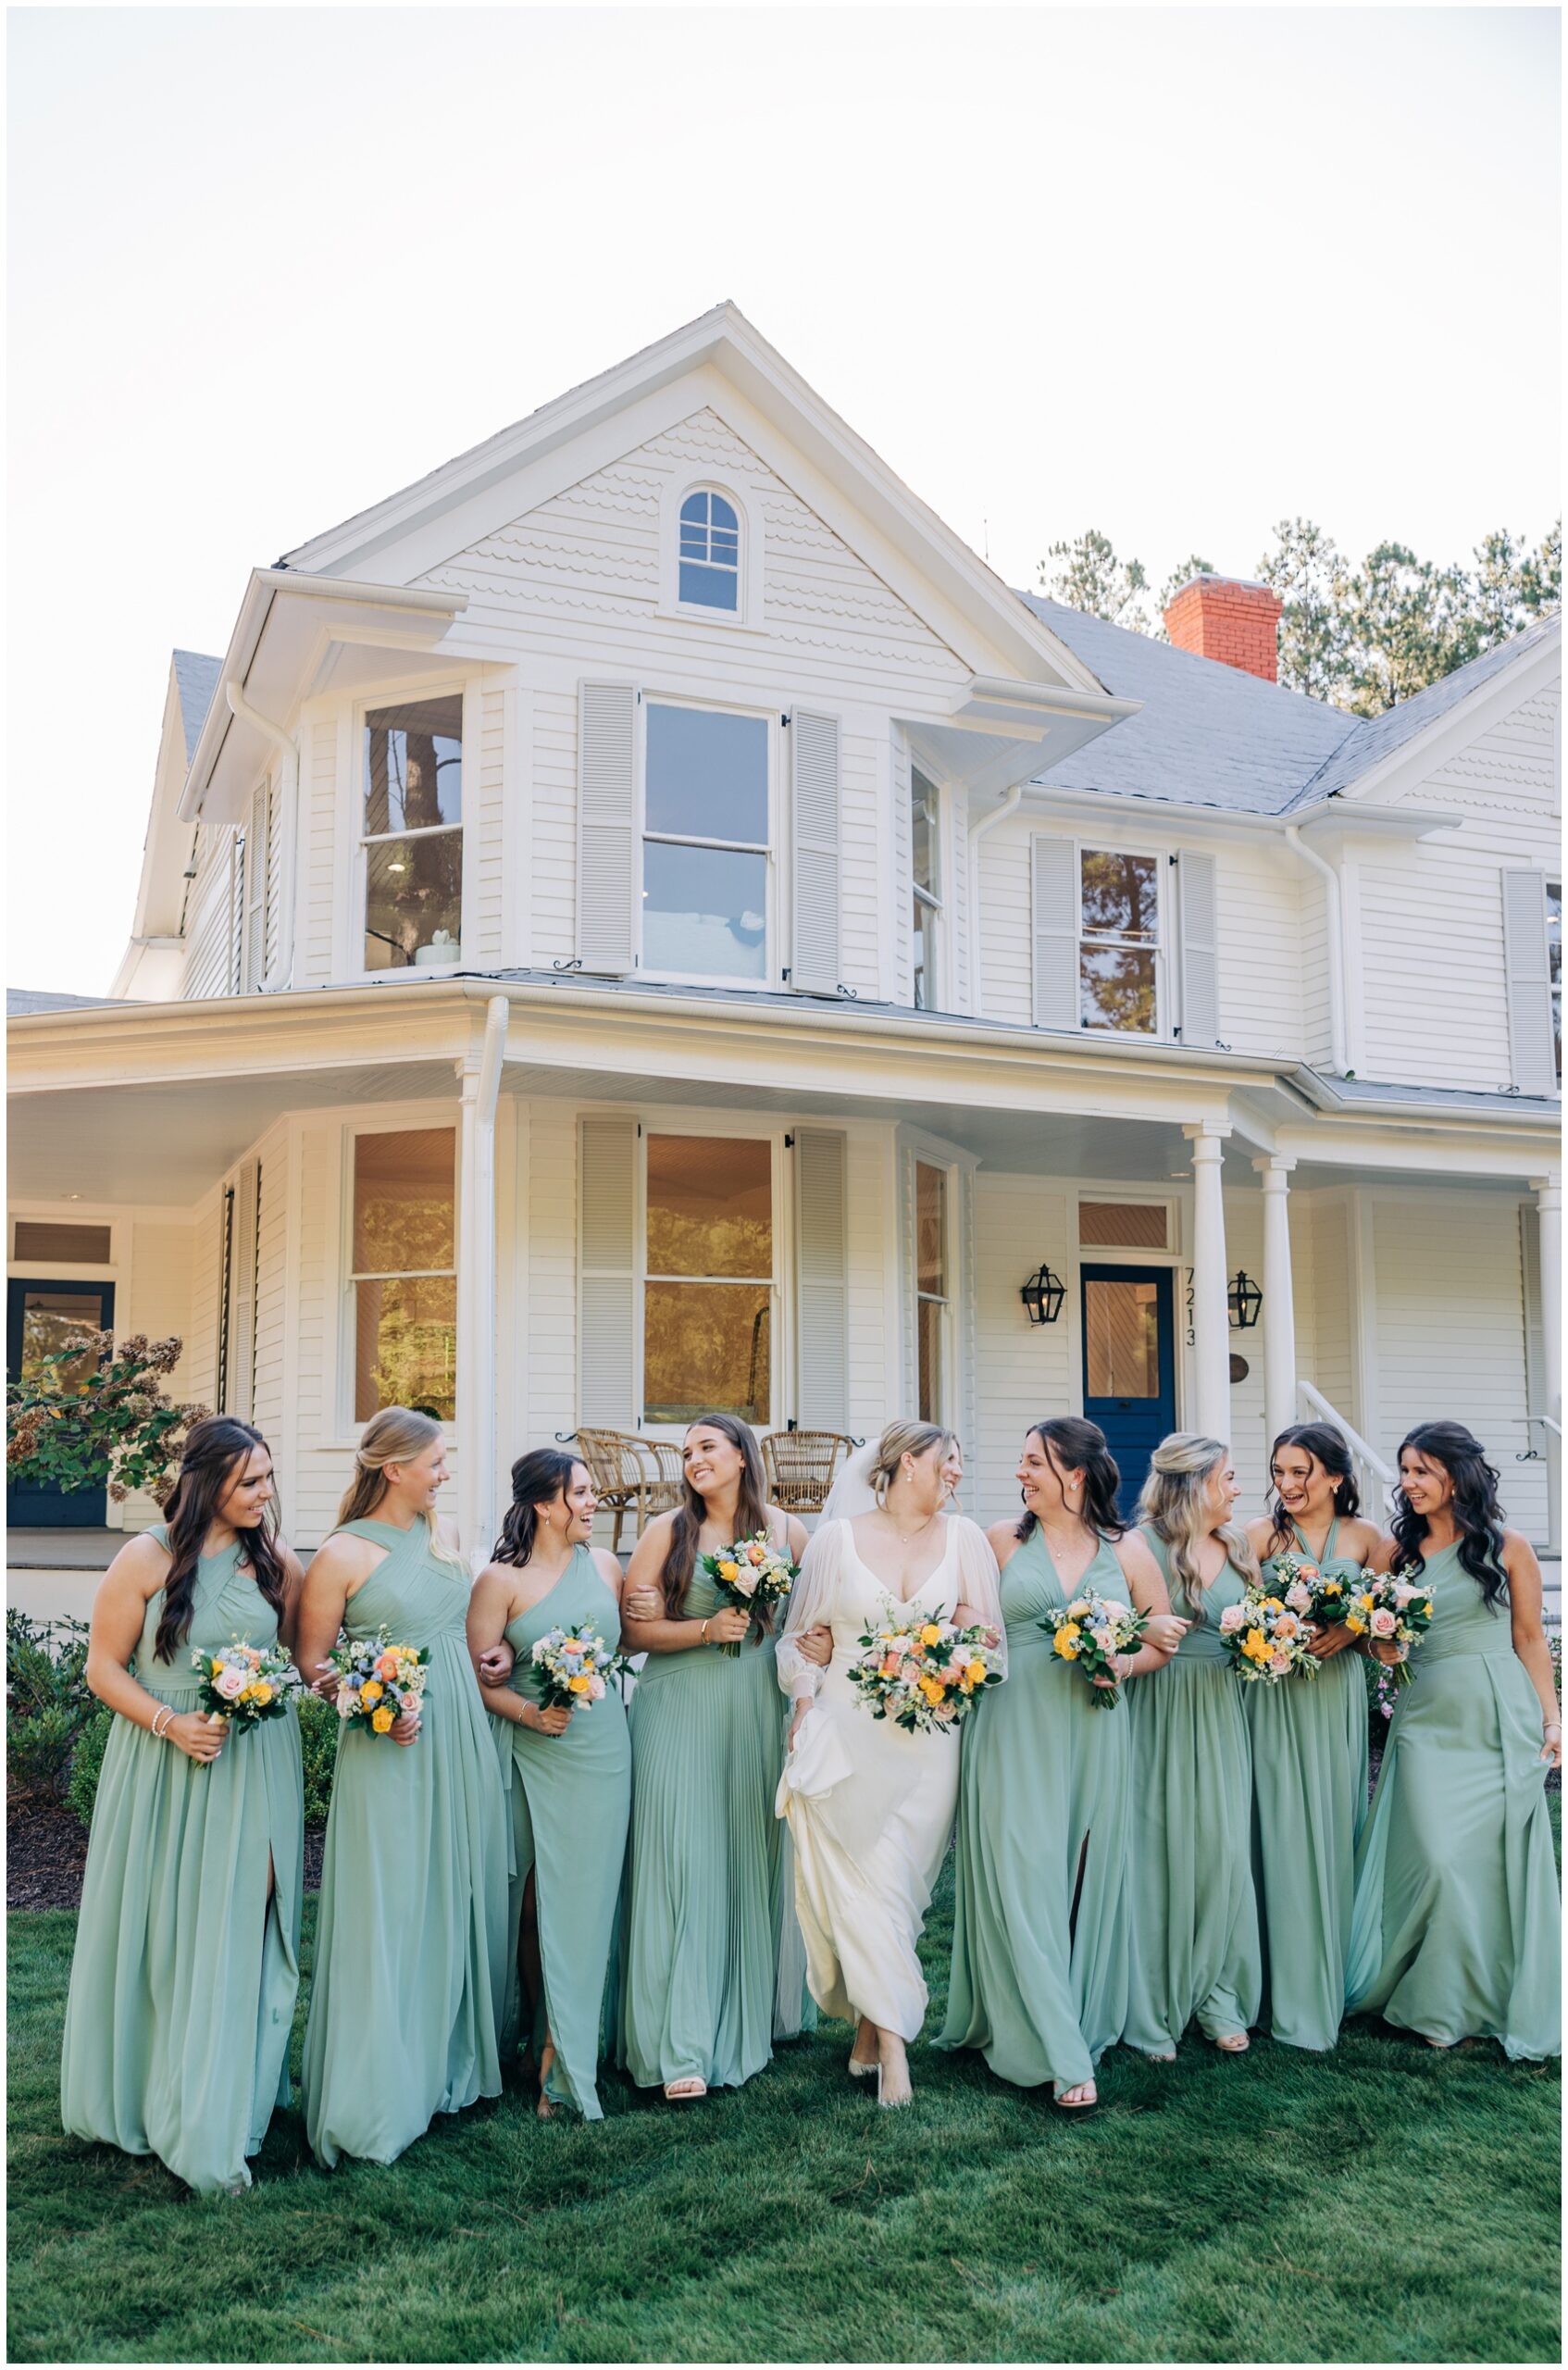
x=1309, y=1806
x=410, y=1980
x=183, y=1983
x=1458, y=1920
x=1194, y=1913
x=708, y=1909
x=1038, y=1980
x=569, y=1802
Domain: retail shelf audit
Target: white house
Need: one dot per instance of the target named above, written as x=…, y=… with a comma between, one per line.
x=644, y=918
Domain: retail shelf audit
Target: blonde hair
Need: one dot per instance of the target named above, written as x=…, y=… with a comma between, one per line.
x=1171, y=1504
x=393, y=1435
x=901, y=1440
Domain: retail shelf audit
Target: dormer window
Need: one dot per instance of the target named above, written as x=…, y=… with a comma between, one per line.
x=710, y=553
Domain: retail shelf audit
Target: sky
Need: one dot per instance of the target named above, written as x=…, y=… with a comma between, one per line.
x=1172, y=273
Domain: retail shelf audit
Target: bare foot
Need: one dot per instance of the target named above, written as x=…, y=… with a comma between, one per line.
x=1234, y=2043
x=894, y=2087
x=690, y=2085
x=863, y=2049
x=1082, y=2094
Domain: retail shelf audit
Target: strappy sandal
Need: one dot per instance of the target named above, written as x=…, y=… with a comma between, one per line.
x=1071, y=2105
x=1233, y=2044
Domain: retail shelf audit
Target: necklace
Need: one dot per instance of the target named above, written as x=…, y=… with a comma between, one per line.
x=907, y=1537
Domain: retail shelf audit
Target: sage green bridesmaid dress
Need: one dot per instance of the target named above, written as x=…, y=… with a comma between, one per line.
x=1458, y=1920
x=1309, y=1806
x=183, y=1983
x=410, y=1977
x=1038, y=1982
x=569, y=1802
x=1195, y=1951
x=708, y=1911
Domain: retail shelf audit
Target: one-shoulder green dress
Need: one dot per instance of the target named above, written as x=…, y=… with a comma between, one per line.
x=707, y=1908
x=1195, y=1949
x=1458, y=1919
x=1038, y=1980
x=569, y=1799
x=183, y=1983
x=1308, y=1805
x=410, y=1977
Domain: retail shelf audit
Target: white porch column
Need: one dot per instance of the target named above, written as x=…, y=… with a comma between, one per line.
x=478, y=1074
x=1279, y=1304
x=1210, y=1317
x=1548, y=1192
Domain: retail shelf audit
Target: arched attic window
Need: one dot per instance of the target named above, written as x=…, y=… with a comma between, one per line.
x=710, y=553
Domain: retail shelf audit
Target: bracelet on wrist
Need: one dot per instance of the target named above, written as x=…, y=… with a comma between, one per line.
x=165, y=1713
x=704, y=1639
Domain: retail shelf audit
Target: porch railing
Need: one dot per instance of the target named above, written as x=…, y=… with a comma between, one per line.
x=1377, y=1479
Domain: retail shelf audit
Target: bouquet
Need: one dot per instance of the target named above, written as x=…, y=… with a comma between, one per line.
x=1090, y=1632
x=1319, y=1597
x=247, y=1684
x=1392, y=1610
x=378, y=1681
x=1266, y=1639
x=750, y=1575
x=574, y=1666
x=924, y=1675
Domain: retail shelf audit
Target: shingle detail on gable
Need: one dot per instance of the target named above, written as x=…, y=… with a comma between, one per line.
x=196, y=677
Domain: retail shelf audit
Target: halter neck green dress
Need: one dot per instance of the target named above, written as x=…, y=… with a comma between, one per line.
x=709, y=1913
x=183, y=1983
x=569, y=1802
x=410, y=1977
x=1308, y=1805
x=1195, y=1949
x=1038, y=1982
x=1458, y=1919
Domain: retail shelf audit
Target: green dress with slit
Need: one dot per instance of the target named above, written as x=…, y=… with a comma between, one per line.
x=410, y=1979
x=1195, y=1951
x=184, y=1982
x=568, y=1803
x=1038, y=1980
x=714, y=1967
x=1308, y=1805
x=1458, y=1919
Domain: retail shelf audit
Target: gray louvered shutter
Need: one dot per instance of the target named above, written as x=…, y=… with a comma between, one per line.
x=1528, y=974
x=1054, y=886
x=909, y=1280
x=822, y=1229
x=1536, y=1402
x=606, y=838
x=244, y=1242
x=606, y=1270
x=813, y=958
x=1197, y=886
x=235, y=982
x=257, y=838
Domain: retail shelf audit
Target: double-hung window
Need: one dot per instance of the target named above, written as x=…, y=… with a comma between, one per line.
x=927, y=916
x=707, y=1292
x=705, y=846
x=710, y=553
x=412, y=833
x=402, y=1272
x=1119, y=942
x=931, y=1292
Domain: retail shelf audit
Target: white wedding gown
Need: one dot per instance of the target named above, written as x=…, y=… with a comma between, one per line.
x=870, y=1807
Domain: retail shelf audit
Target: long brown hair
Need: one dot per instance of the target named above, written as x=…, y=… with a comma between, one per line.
x=539, y=1477
x=216, y=1454
x=1328, y=1446
x=1073, y=1440
x=1477, y=1515
x=751, y=1515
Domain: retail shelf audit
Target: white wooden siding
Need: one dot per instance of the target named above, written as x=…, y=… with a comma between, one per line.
x=1024, y=1371
x=317, y=850
x=484, y=944
x=163, y=1258
x=209, y=915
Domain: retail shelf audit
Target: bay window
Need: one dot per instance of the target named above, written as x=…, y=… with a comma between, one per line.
x=412, y=833
x=403, y=1271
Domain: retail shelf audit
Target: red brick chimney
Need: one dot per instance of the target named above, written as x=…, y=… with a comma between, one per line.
x=1227, y=619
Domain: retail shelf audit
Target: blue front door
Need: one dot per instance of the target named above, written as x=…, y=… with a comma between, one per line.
x=39, y=1316
x=1129, y=1366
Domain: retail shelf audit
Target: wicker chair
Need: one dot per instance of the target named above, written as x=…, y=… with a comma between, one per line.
x=630, y=1476
x=800, y=1467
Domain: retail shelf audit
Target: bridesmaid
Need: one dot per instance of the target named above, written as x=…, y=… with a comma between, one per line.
x=410, y=1977
x=187, y=1949
x=1195, y=1951
x=567, y=1775
x=1457, y=1914
x=706, y=1898
x=1040, y=1943
x=1309, y=1749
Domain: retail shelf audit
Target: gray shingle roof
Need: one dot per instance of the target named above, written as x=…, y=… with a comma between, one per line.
x=1209, y=735
x=20, y=1002
x=196, y=677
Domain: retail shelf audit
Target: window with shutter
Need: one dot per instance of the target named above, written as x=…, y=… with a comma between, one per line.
x=607, y=1382
x=412, y=833
x=606, y=881
x=821, y=1225
x=239, y=1247
x=815, y=963
x=705, y=841
x=257, y=845
x=1527, y=962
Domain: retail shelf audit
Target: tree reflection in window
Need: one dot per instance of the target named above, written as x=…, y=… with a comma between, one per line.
x=1119, y=937
x=413, y=832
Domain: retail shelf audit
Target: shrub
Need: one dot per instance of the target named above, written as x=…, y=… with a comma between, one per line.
x=48, y=1704
x=318, y=1744
x=87, y=1764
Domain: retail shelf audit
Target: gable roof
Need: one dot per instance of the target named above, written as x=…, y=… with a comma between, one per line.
x=195, y=680
x=1211, y=735
x=20, y=1002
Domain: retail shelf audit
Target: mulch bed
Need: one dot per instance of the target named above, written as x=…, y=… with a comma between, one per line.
x=46, y=1852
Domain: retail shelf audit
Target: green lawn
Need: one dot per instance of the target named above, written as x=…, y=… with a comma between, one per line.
x=1389, y=2205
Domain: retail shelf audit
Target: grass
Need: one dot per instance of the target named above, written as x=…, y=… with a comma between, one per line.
x=1387, y=2204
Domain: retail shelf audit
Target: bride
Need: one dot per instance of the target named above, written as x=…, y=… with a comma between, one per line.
x=870, y=1805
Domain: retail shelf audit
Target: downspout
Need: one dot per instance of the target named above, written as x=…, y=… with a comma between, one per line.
x=288, y=749
x=1334, y=950
x=1010, y=806
x=481, y=1085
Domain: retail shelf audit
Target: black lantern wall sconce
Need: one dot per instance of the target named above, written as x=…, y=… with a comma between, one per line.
x=1043, y=1296
x=1244, y=1301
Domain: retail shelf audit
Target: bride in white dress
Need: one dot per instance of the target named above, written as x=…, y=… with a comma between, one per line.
x=870, y=1805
